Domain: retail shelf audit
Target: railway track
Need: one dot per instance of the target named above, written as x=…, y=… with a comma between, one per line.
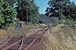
x=32, y=42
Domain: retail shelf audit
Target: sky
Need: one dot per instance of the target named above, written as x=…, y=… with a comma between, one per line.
x=42, y=4
x=73, y=1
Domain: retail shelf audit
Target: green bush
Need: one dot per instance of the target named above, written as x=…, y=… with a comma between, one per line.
x=55, y=21
x=7, y=14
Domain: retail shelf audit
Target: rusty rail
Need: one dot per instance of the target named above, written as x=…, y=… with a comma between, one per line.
x=26, y=48
x=36, y=35
x=6, y=42
x=11, y=45
x=36, y=32
x=21, y=44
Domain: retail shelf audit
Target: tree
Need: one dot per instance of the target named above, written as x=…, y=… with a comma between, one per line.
x=7, y=14
x=63, y=9
x=27, y=11
x=56, y=8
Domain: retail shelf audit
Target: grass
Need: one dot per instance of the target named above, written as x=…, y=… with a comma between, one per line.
x=16, y=32
x=61, y=38
x=12, y=31
x=58, y=37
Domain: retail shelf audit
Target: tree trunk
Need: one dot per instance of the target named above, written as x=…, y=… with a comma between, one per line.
x=26, y=17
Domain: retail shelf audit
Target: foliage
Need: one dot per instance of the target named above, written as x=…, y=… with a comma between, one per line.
x=26, y=11
x=55, y=21
x=63, y=9
x=31, y=11
x=7, y=14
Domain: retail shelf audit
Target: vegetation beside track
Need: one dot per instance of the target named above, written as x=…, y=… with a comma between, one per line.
x=61, y=38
